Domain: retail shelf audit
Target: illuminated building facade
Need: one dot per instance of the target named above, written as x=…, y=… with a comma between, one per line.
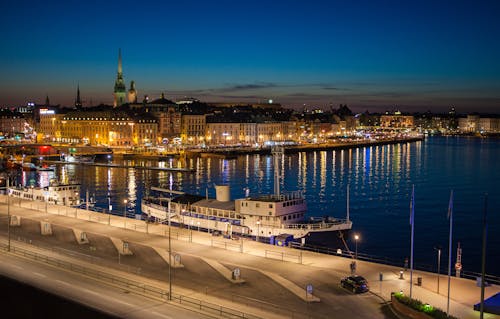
x=193, y=128
x=397, y=121
x=111, y=128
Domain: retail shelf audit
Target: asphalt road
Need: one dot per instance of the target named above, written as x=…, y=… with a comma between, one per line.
x=81, y=296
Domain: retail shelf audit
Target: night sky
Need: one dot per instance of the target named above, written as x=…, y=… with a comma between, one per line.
x=371, y=55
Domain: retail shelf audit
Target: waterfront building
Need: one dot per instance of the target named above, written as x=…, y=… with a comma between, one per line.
x=12, y=123
x=49, y=128
x=167, y=114
x=397, y=121
x=218, y=133
x=119, y=92
x=111, y=127
x=193, y=128
x=473, y=123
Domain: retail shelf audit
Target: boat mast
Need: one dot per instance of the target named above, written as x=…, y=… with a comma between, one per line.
x=277, y=152
x=347, y=215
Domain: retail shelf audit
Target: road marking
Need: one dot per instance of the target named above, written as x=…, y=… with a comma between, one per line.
x=92, y=292
x=160, y=314
x=39, y=274
x=16, y=266
x=113, y=300
x=63, y=282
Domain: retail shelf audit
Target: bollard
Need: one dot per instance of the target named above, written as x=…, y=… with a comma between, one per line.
x=381, y=276
x=401, y=274
x=419, y=281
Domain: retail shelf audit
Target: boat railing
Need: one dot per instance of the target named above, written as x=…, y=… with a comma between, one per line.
x=317, y=225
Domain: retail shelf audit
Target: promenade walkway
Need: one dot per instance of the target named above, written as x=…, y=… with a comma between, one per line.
x=463, y=293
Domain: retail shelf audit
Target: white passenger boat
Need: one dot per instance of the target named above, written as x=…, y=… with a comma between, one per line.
x=270, y=216
x=55, y=193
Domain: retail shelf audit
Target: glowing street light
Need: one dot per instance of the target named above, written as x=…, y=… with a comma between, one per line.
x=125, y=208
x=356, y=238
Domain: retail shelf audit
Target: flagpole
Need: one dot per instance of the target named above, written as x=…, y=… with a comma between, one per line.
x=450, y=216
x=483, y=258
x=412, y=223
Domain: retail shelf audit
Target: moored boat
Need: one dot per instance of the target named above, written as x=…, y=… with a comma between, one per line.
x=267, y=216
x=55, y=193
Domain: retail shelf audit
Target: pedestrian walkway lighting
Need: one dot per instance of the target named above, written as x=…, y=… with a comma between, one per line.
x=125, y=208
x=356, y=238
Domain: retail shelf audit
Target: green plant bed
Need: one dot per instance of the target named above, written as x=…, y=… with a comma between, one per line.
x=418, y=307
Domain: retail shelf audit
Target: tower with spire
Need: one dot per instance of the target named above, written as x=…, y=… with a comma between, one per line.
x=132, y=93
x=120, y=91
x=78, y=101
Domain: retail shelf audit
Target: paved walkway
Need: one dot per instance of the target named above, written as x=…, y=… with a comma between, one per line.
x=464, y=292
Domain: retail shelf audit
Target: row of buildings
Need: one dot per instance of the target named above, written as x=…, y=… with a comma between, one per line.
x=129, y=123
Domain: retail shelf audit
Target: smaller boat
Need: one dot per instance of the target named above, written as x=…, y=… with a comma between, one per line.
x=55, y=193
x=50, y=168
x=78, y=158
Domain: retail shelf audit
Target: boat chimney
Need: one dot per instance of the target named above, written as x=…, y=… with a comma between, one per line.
x=222, y=193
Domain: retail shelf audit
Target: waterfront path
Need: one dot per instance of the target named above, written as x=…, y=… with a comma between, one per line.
x=464, y=292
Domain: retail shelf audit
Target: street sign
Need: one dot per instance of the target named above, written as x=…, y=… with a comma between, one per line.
x=309, y=289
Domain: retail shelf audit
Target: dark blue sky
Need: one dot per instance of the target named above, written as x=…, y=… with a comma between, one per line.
x=375, y=55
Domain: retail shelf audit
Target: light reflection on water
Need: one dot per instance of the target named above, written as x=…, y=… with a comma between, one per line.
x=380, y=179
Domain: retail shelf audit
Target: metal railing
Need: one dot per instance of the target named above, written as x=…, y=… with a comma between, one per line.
x=389, y=261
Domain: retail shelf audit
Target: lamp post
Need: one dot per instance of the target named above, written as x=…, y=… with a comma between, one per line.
x=169, y=254
x=8, y=215
x=356, y=238
x=439, y=265
x=125, y=208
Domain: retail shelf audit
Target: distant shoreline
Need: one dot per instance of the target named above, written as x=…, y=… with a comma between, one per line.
x=290, y=149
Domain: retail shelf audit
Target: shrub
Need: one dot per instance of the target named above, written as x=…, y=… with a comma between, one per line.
x=419, y=306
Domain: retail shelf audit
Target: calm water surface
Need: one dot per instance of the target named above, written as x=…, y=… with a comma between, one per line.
x=380, y=180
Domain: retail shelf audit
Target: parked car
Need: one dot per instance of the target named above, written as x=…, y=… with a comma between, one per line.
x=356, y=284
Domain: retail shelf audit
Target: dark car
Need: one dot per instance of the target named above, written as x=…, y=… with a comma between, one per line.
x=356, y=284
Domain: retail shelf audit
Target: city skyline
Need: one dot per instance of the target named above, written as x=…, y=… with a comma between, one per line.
x=412, y=57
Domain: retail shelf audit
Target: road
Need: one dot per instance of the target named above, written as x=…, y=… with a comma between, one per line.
x=114, y=302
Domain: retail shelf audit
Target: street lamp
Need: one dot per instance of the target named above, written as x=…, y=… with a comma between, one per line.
x=439, y=265
x=125, y=208
x=356, y=238
x=169, y=254
x=8, y=214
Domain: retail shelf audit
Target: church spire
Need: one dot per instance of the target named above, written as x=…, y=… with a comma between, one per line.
x=120, y=89
x=120, y=62
x=78, y=101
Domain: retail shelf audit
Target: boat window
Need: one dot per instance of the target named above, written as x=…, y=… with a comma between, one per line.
x=242, y=204
x=257, y=205
x=270, y=213
x=270, y=205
